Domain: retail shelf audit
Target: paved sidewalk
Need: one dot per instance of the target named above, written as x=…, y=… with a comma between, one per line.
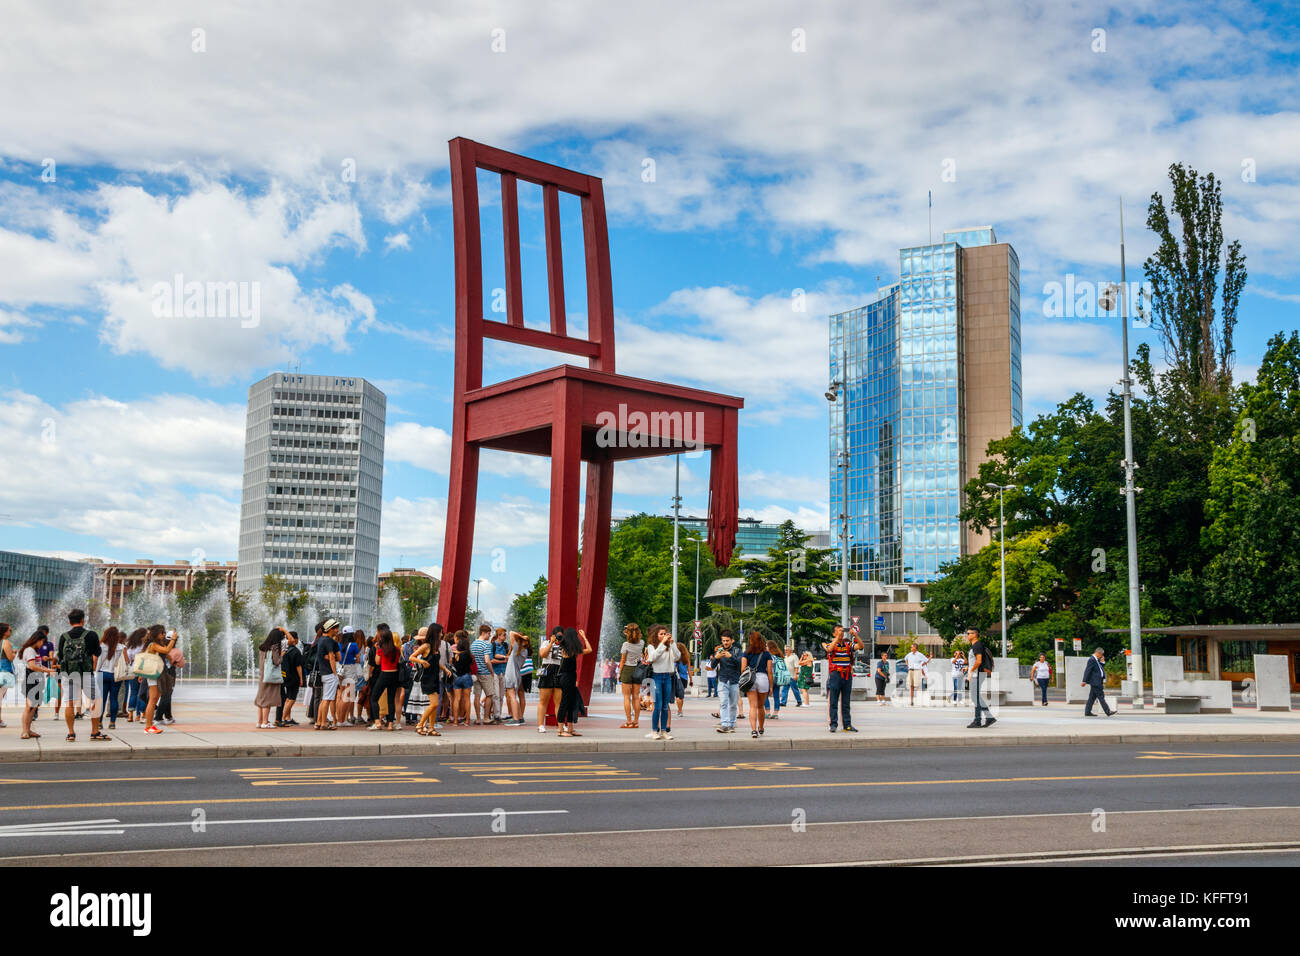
x=226, y=728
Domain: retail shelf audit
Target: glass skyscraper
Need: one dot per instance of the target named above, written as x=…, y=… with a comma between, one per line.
x=313, y=488
x=932, y=373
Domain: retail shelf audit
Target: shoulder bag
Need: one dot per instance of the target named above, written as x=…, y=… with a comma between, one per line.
x=147, y=665
x=271, y=672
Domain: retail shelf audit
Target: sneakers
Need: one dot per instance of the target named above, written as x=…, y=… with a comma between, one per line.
x=850, y=730
x=152, y=730
x=665, y=736
x=653, y=735
x=974, y=723
x=990, y=722
x=833, y=728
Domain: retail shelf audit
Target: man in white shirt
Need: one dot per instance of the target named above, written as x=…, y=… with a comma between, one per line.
x=916, y=662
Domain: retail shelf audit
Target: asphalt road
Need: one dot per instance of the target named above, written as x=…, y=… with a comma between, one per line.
x=1118, y=804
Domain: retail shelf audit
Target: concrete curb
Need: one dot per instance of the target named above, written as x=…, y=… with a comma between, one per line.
x=59, y=750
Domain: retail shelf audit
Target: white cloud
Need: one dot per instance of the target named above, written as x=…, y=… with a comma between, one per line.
x=397, y=240
x=418, y=525
x=155, y=476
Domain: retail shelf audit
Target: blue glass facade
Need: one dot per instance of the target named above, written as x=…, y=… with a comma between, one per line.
x=903, y=362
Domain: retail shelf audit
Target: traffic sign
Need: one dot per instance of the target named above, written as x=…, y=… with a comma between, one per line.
x=853, y=629
x=880, y=623
x=1078, y=644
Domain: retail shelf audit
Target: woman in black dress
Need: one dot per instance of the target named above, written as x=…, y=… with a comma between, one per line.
x=572, y=646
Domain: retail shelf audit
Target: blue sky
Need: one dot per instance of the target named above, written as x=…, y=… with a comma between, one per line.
x=790, y=151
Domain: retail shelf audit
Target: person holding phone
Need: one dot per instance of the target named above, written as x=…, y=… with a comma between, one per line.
x=156, y=642
x=839, y=677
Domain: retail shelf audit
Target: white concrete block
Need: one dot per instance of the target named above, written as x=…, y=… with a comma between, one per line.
x=1164, y=668
x=1216, y=695
x=1272, y=682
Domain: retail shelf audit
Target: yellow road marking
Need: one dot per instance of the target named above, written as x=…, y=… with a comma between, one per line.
x=330, y=776
x=756, y=765
x=7, y=780
x=700, y=789
x=510, y=773
x=1170, y=755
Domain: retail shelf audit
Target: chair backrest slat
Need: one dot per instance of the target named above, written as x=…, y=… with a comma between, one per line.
x=467, y=157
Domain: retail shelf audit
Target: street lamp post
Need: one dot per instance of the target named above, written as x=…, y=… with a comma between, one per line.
x=478, y=591
x=789, y=557
x=1110, y=298
x=695, y=648
x=839, y=391
x=677, y=512
x=1002, y=553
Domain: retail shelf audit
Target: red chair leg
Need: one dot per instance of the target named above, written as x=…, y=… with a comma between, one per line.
x=595, y=562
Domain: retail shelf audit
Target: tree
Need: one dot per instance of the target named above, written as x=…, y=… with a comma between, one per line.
x=1184, y=281
x=1252, y=511
x=811, y=615
x=277, y=592
x=418, y=596
x=719, y=619
x=640, y=574
x=527, y=612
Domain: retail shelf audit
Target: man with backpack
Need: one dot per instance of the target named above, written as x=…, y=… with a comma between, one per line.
x=77, y=653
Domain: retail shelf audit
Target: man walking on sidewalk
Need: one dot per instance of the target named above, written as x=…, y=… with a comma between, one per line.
x=726, y=658
x=1094, y=678
x=981, y=669
x=839, y=676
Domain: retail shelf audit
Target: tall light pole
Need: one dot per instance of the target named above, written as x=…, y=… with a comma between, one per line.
x=839, y=391
x=478, y=590
x=677, y=513
x=1002, y=552
x=1109, y=298
x=695, y=647
x=789, y=557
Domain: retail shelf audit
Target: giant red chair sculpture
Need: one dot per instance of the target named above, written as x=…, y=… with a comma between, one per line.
x=554, y=412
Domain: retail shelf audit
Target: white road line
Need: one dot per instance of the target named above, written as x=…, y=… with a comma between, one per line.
x=57, y=829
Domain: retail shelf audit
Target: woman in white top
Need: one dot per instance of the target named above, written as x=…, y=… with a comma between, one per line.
x=1042, y=673
x=958, y=674
x=662, y=655
x=113, y=647
x=34, y=676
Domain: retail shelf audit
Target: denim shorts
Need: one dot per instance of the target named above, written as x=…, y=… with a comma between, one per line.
x=463, y=682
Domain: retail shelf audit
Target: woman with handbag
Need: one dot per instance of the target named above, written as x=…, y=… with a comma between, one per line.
x=548, y=683
x=662, y=656
x=572, y=646
x=758, y=661
x=427, y=658
x=268, y=665
x=631, y=672
x=149, y=665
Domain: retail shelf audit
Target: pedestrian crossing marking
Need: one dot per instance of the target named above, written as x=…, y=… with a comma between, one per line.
x=330, y=776
x=506, y=773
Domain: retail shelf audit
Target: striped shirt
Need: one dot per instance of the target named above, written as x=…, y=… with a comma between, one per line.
x=840, y=658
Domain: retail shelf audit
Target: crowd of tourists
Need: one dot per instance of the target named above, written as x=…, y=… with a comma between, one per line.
x=430, y=680
x=84, y=674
